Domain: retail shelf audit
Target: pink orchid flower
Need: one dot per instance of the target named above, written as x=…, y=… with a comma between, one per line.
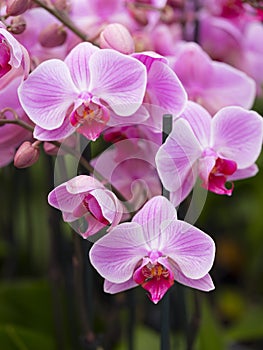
x=83, y=92
x=85, y=197
x=212, y=84
x=153, y=250
x=219, y=149
x=14, y=59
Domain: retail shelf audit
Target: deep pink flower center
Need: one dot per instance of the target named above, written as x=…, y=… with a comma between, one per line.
x=155, y=278
x=4, y=56
x=87, y=112
x=93, y=207
x=219, y=174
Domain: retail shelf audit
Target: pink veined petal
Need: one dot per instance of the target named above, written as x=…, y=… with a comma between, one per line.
x=200, y=121
x=138, y=117
x=177, y=156
x=118, y=79
x=116, y=254
x=65, y=130
x=245, y=173
x=107, y=204
x=82, y=184
x=16, y=48
x=78, y=64
x=165, y=89
x=150, y=217
x=112, y=288
x=47, y=94
x=176, y=197
x=205, y=283
x=191, y=249
x=237, y=135
x=205, y=166
x=148, y=57
x=118, y=210
x=61, y=199
x=193, y=67
x=228, y=87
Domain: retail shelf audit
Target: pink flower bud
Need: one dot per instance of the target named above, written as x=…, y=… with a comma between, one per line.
x=17, y=7
x=26, y=155
x=116, y=36
x=50, y=149
x=17, y=26
x=53, y=35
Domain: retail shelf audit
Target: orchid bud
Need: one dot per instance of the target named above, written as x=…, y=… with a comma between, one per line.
x=26, y=155
x=17, y=26
x=53, y=35
x=116, y=36
x=50, y=149
x=17, y=7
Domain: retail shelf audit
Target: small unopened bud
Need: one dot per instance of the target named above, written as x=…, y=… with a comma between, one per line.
x=17, y=7
x=26, y=155
x=50, y=149
x=53, y=35
x=17, y=26
x=116, y=36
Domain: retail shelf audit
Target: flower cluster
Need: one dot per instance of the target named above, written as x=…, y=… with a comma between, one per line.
x=108, y=73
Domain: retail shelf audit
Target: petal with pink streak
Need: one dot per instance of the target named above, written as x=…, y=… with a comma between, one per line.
x=205, y=166
x=176, y=197
x=191, y=249
x=245, y=173
x=151, y=216
x=16, y=48
x=47, y=94
x=82, y=184
x=165, y=89
x=65, y=130
x=107, y=204
x=61, y=199
x=148, y=57
x=78, y=64
x=237, y=135
x=112, y=288
x=200, y=121
x=177, y=156
x=119, y=80
x=116, y=255
x=228, y=87
x=205, y=283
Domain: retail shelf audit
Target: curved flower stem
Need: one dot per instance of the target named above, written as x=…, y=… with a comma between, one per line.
x=63, y=18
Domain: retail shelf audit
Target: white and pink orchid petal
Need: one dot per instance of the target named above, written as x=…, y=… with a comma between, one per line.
x=176, y=197
x=151, y=216
x=237, y=135
x=245, y=173
x=200, y=121
x=190, y=248
x=47, y=94
x=107, y=205
x=228, y=87
x=78, y=64
x=205, y=166
x=61, y=199
x=164, y=89
x=205, y=283
x=112, y=288
x=116, y=254
x=148, y=57
x=178, y=155
x=82, y=184
x=118, y=79
x=65, y=130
